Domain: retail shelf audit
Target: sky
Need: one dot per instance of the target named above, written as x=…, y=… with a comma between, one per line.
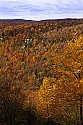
x=41, y=9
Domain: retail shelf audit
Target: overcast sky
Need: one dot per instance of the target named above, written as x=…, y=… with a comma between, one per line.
x=41, y=9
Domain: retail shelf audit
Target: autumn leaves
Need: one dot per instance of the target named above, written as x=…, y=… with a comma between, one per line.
x=47, y=78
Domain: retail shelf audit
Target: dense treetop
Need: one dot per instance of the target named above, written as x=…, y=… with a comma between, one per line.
x=41, y=65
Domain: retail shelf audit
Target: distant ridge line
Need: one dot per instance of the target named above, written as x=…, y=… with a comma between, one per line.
x=25, y=20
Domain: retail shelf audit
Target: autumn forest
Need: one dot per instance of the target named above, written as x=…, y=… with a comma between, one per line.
x=41, y=72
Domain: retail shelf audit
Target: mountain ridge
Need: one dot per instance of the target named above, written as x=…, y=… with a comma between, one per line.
x=25, y=20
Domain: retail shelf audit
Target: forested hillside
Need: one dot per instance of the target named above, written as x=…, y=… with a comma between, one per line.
x=41, y=72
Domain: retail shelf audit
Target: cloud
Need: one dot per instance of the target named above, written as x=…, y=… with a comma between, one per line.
x=41, y=9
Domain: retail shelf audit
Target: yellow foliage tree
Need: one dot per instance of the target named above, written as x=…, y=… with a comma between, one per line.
x=61, y=98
